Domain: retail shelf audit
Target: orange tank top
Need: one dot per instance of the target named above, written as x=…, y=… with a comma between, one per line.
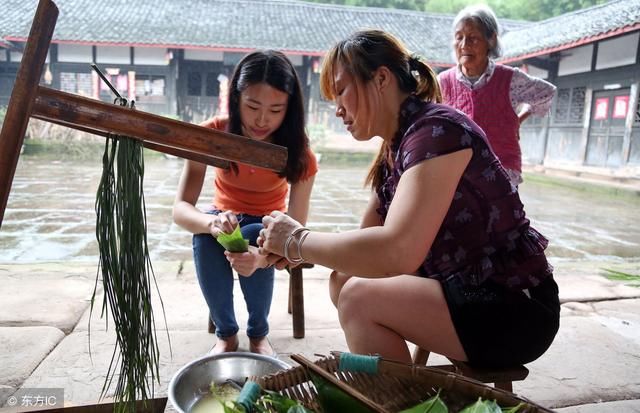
x=253, y=190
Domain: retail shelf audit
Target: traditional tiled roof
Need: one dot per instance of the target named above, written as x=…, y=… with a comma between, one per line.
x=288, y=25
x=572, y=29
x=297, y=26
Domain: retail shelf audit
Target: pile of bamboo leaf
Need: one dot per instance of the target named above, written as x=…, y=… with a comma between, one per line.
x=126, y=273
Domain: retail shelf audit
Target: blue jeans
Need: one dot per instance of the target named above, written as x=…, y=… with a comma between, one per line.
x=216, y=282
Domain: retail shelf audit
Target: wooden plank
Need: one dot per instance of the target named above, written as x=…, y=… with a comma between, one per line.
x=23, y=95
x=180, y=153
x=151, y=406
x=54, y=105
x=209, y=160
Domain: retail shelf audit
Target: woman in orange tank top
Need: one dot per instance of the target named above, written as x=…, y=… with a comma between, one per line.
x=265, y=104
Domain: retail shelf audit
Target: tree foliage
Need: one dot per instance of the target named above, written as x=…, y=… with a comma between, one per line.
x=531, y=10
x=420, y=5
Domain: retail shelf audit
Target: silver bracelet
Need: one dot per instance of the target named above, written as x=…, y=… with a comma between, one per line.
x=300, y=241
x=290, y=238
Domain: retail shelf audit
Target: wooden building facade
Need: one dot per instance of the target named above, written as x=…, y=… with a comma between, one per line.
x=174, y=62
x=594, y=123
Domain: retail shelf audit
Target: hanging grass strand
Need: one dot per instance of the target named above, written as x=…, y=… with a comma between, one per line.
x=126, y=272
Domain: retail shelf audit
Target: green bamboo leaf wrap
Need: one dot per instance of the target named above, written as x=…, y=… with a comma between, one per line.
x=334, y=400
x=233, y=242
x=433, y=405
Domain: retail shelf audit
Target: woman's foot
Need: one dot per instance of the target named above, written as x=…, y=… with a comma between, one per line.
x=225, y=344
x=261, y=345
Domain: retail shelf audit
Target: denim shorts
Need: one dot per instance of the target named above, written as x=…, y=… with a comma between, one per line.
x=502, y=327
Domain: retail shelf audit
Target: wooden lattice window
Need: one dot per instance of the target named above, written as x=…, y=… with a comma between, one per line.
x=78, y=83
x=563, y=100
x=576, y=110
x=570, y=105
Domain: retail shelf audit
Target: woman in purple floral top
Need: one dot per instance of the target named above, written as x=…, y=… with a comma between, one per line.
x=445, y=257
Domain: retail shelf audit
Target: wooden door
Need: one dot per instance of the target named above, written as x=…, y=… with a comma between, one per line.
x=606, y=133
x=199, y=90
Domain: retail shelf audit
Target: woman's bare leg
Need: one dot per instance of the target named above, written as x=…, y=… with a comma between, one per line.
x=379, y=314
x=336, y=281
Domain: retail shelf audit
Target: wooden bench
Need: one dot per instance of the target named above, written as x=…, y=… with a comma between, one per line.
x=295, y=305
x=501, y=378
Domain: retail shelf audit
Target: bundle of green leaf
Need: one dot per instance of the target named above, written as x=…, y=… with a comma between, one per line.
x=125, y=267
x=332, y=399
x=233, y=242
x=488, y=406
x=436, y=405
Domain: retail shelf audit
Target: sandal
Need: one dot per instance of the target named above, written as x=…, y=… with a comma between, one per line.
x=229, y=348
x=255, y=342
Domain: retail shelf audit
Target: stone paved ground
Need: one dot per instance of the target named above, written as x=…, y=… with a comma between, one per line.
x=47, y=275
x=44, y=336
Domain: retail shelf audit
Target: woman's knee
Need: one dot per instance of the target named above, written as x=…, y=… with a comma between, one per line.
x=354, y=297
x=251, y=232
x=336, y=282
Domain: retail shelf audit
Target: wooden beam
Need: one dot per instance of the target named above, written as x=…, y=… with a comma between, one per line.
x=80, y=112
x=209, y=160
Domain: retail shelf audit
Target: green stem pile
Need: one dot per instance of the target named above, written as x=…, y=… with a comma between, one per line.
x=125, y=267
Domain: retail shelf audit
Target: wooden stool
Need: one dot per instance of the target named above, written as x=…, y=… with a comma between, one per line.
x=295, y=305
x=501, y=378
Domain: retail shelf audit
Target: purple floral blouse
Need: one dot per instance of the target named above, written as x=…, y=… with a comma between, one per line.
x=485, y=234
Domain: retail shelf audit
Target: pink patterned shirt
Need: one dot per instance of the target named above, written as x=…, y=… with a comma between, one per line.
x=493, y=101
x=524, y=89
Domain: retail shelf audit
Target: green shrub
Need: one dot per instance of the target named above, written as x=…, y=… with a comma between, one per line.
x=345, y=158
x=63, y=150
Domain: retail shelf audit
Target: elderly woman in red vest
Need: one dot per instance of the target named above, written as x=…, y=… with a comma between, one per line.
x=497, y=97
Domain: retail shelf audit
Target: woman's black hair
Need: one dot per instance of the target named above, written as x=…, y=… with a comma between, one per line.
x=363, y=52
x=276, y=70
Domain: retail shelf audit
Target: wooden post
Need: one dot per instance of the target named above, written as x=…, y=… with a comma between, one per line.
x=296, y=301
x=23, y=95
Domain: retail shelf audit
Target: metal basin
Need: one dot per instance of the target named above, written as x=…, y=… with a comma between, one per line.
x=192, y=381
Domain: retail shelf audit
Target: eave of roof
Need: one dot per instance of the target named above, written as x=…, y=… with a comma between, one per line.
x=298, y=27
x=295, y=27
x=572, y=30
x=170, y=46
x=577, y=43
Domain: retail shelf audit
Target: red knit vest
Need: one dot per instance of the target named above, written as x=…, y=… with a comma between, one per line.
x=490, y=107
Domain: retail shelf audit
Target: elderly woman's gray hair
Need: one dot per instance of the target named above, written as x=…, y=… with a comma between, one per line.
x=484, y=17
